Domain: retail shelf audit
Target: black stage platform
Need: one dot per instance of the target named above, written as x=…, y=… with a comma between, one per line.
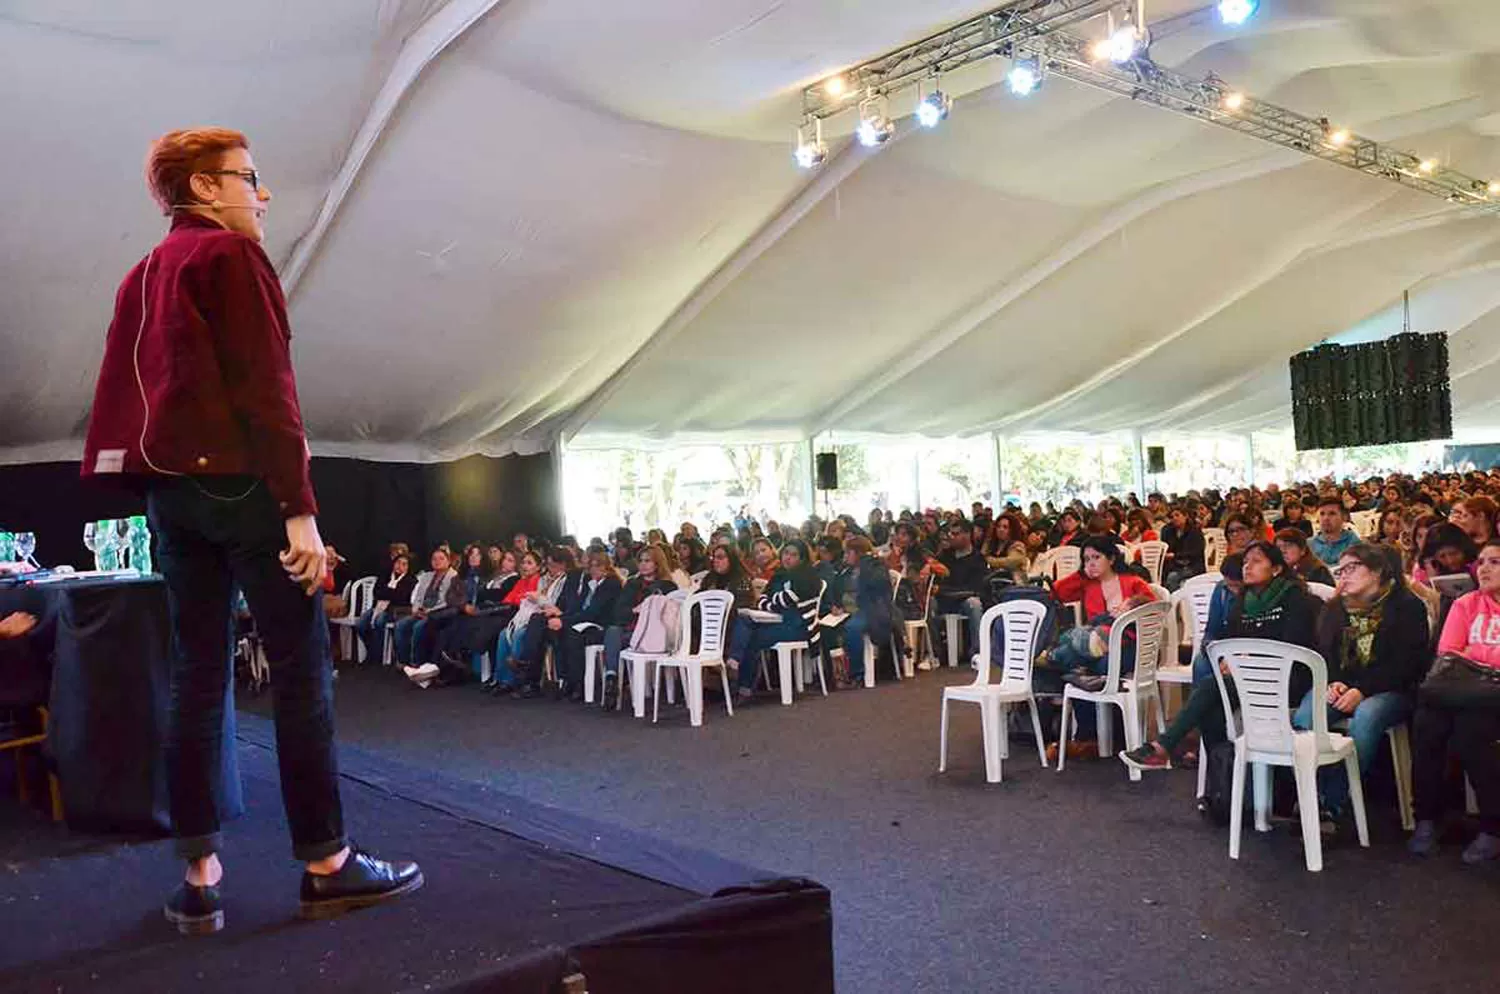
x=518, y=896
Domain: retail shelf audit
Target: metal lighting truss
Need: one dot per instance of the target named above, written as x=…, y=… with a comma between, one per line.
x=1033, y=29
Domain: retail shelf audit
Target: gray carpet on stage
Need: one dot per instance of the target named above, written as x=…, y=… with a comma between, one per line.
x=1047, y=882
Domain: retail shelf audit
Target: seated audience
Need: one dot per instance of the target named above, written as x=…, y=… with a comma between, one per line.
x=652, y=577
x=867, y=602
x=1185, y=546
x=1470, y=731
x=521, y=597
x=1006, y=547
x=793, y=594
x=764, y=560
x=1333, y=535
x=1373, y=637
x=1138, y=527
x=1275, y=605
x=1292, y=516
x=1299, y=558
x=1476, y=516
x=961, y=572
x=431, y=593
x=392, y=602
x=1392, y=528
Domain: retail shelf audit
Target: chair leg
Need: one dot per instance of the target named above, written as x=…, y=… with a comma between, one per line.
x=1202, y=773
x=728, y=698
x=989, y=717
x=1064, y=732
x=817, y=662
x=588, y=676
x=1400, y=740
x=1357, y=798
x=1161, y=712
x=1307, y=804
x=1237, y=800
x=1133, y=730
x=1004, y=730
x=656, y=695
x=785, y=662
x=693, y=691
x=943, y=738
x=869, y=663
x=1262, y=774
x=1036, y=729
x=638, y=687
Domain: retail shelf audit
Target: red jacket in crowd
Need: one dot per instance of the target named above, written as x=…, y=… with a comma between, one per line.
x=202, y=379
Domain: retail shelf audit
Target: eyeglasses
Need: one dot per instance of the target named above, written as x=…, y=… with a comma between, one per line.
x=250, y=176
x=1344, y=569
x=1235, y=528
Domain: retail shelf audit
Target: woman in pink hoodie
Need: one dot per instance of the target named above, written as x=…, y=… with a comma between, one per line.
x=1473, y=734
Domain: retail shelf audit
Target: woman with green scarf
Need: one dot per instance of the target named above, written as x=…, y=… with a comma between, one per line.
x=1375, y=640
x=1275, y=605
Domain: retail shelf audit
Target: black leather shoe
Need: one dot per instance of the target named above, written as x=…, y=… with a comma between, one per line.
x=362, y=881
x=195, y=910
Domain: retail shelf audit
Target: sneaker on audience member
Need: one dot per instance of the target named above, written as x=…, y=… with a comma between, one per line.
x=1484, y=848
x=1424, y=839
x=427, y=671
x=1148, y=757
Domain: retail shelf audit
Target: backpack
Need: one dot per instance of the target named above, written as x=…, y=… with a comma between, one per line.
x=656, y=631
x=1218, y=782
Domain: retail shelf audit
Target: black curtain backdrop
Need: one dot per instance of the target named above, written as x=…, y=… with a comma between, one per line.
x=364, y=505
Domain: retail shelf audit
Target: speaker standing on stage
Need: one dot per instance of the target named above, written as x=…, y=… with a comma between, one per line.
x=196, y=404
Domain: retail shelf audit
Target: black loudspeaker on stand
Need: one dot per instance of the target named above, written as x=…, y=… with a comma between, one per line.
x=1156, y=459
x=828, y=470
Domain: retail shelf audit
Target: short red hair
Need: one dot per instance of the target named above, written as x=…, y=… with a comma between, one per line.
x=177, y=155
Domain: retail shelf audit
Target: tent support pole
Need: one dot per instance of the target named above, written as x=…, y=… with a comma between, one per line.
x=1138, y=462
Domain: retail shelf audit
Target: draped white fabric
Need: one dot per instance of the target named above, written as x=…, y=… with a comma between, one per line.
x=508, y=220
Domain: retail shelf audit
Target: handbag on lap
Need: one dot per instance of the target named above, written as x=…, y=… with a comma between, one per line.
x=1456, y=682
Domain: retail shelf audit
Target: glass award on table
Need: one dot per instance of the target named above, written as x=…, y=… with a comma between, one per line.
x=138, y=542
x=107, y=545
x=25, y=546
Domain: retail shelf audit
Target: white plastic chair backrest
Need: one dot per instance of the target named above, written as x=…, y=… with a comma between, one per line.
x=361, y=596
x=926, y=598
x=1023, y=629
x=1042, y=564
x=1365, y=522
x=1066, y=560
x=896, y=578
x=1196, y=595
x=697, y=578
x=713, y=607
x=1150, y=624
x=1170, y=638
x=1153, y=556
x=1262, y=671
x=1323, y=590
x=1214, y=544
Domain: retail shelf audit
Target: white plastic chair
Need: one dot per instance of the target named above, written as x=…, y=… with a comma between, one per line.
x=895, y=649
x=360, y=596
x=1262, y=734
x=1191, y=603
x=1130, y=694
x=635, y=667
x=917, y=628
x=593, y=672
x=1065, y=561
x=1023, y=628
x=1215, y=545
x=713, y=635
x=1153, y=556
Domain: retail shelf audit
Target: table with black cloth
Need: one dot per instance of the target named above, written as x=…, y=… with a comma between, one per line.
x=109, y=704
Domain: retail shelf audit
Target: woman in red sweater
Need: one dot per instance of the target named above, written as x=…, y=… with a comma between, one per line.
x=1107, y=591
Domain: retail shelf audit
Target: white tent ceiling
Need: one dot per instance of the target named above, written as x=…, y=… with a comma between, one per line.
x=504, y=220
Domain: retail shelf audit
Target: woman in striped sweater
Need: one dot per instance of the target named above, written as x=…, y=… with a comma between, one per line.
x=791, y=593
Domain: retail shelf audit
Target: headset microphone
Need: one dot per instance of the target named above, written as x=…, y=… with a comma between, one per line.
x=218, y=205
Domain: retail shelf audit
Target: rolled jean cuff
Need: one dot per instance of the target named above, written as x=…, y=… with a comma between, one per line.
x=319, y=850
x=199, y=846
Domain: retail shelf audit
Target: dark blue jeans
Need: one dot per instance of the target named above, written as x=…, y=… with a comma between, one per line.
x=207, y=545
x=748, y=639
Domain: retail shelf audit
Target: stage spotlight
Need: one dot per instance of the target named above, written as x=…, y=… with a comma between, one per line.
x=1237, y=12
x=1123, y=44
x=1339, y=137
x=875, y=125
x=933, y=109
x=835, y=87
x=811, y=152
x=1427, y=166
x=1025, y=76
x=1234, y=101
x=1494, y=188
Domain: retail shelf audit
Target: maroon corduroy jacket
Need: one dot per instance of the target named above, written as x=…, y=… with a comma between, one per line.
x=205, y=383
